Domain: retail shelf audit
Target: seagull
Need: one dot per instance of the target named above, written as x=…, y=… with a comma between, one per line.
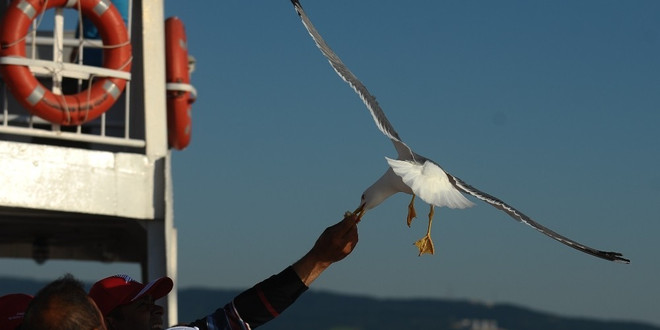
x=419, y=176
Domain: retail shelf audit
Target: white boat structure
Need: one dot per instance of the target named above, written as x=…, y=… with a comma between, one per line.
x=86, y=170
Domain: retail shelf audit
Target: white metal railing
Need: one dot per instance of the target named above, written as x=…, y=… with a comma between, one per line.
x=112, y=128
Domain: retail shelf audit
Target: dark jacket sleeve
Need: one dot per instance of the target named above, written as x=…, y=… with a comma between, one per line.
x=266, y=300
x=257, y=305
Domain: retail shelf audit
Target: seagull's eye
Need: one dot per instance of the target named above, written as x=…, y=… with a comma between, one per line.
x=362, y=197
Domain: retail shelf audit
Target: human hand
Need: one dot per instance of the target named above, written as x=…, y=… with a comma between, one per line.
x=337, y=241
x=334, y=244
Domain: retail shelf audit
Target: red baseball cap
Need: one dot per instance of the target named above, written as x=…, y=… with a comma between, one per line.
x=12, y=309
x=114, y=291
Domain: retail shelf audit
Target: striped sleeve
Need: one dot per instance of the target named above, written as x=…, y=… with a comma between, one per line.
x=268, y=299
x=257, y=305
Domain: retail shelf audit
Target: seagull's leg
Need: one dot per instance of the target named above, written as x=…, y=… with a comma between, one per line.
x=411, y=211
x=425, y=244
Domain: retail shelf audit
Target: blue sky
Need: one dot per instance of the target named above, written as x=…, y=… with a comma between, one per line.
x=551, y=106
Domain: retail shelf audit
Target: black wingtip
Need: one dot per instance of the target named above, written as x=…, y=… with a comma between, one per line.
x=615, y=256
x=297, y=6
x=622, y=260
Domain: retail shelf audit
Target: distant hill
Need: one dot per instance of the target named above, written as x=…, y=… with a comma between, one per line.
x=328, y=311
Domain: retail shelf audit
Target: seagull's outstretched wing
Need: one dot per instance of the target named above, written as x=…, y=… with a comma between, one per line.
x=346, y=74
x=406, y=153
x=519, y=216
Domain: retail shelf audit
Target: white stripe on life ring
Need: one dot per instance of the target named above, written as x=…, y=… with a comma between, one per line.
x=180, y=87
x=36, y=95
x=27, y=9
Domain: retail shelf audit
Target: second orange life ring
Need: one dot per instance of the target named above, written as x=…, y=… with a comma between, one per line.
x=180, y=94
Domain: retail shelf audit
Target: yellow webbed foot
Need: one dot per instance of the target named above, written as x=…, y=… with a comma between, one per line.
x=425, y=245
x=411, y=211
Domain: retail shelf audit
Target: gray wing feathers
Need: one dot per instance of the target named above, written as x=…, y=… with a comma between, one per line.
x=519, y=216
x=346, y=74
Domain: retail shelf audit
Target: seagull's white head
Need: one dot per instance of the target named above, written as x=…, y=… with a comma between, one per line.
x=372, y=197
x=386, y=186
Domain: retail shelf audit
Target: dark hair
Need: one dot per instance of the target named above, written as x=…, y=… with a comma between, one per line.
x=62, y=305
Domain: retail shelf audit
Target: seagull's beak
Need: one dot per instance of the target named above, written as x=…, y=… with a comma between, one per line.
x=359, y=212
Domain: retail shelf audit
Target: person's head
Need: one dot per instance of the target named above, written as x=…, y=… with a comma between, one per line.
x=12, y=309
x=128, y=304
x=62, y=305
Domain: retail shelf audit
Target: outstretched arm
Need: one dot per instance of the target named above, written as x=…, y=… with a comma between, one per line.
x=267, y=299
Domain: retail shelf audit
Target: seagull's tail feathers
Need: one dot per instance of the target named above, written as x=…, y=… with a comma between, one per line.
x=344, y=73
x=429, y=182
x=521, y=217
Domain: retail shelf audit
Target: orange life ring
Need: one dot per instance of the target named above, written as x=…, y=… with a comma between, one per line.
x=72, y=109
x=179, y=101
